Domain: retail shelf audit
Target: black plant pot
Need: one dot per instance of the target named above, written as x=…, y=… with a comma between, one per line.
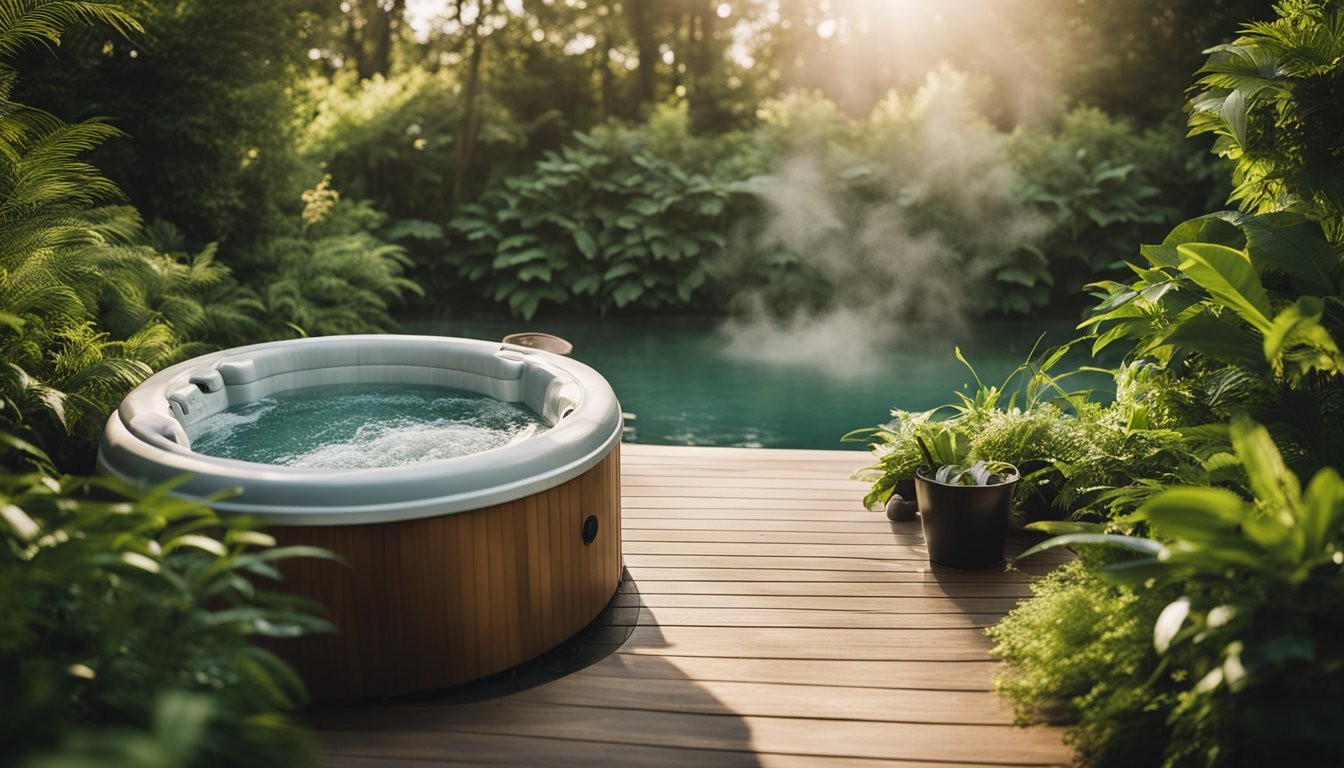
x=901, y=507
x=965, y=526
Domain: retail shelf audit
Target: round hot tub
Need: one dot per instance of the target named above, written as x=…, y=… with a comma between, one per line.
x=458, y=567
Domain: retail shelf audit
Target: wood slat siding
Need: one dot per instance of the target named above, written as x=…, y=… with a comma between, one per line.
x=771, y=622
x=442, y=600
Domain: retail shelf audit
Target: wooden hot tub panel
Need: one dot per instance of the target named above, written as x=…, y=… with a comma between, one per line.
x=438, y=601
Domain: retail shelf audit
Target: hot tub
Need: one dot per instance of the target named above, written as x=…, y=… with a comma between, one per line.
x=459, y=568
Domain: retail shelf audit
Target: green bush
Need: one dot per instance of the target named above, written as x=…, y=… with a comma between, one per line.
x=125, y=617
x=1081, y=458
x=393, y=141
x=1095, y=179
x=1274, y=100
x=337, y=276
x=593, y=227
x=86, y=310
x=206, y=100
x=1080, y=652
x=1252, y=596
x=1250, y=306
x=126, y=622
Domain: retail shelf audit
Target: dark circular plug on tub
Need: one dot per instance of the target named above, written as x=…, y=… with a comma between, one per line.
x=589, y=529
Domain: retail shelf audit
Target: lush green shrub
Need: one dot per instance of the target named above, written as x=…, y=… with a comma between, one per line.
x=1080, y=652
x=922, y=187
x=125, y=618
x=593, y=227
x=1248, y=313
x=1253, y=606
x=925, y=184
x=337, y=276
x=125, y=627
x=1094, y=177
x=393, y=140
x=1084, y=459
x=1273, y=97
x=207, y=101
x=87, y=310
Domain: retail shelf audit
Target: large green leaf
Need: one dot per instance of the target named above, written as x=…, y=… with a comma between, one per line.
x=1322, y=512
x=1132, y=543
x=1271, y=482
x=1217, y=228
x=1297, y=344
x=1228, y=276
x=1287, y=242
x=1194, y=514
x=1217, y=339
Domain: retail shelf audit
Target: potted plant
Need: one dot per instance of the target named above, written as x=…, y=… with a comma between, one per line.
x=964, y=510
x=899, y=455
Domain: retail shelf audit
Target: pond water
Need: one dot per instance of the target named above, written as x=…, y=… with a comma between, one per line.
x=362, y=426
x=686, y=384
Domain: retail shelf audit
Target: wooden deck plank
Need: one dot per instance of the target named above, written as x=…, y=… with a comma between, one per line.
x=649, y=584
x=984, y=744
x=961, y=676
x=742, y=574
x=813, y=702
x=930, y=645
x=460, y=749
x=785, y=618
x=846, y=605
x=767, y=619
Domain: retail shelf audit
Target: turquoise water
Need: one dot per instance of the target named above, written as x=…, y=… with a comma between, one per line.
x=689, y=383
x=362, y=426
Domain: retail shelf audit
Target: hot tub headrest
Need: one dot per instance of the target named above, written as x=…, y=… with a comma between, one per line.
x=255, y=366
x=157, y=427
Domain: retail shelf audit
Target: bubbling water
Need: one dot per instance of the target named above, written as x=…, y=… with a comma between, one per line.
x=362, y=426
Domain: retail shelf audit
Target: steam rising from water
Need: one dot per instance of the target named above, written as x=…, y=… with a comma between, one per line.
x=905, y=240
x=362, y=427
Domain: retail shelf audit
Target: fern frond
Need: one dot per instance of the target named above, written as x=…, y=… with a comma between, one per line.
x=27, y=22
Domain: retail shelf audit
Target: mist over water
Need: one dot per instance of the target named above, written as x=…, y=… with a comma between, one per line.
x=362, y=426
x=905, y=235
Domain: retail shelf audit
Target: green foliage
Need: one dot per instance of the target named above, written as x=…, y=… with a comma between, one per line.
x=1252, y=639
x=1098, y=178
x=593, y=227
x=127, y=626
x=88, y=310
x=980, y=473
x=207, y=102
x=1273, y=99
x=1080, y=652
x=125, y=617
x=1082, y=458
x=337, y=277
x=393, y=140
x=1251, y=305
x=896, y=447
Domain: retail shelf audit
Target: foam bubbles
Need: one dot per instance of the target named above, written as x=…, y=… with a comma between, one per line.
x=363, y=427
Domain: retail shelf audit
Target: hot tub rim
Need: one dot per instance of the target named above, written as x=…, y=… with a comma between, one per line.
x=419, y=490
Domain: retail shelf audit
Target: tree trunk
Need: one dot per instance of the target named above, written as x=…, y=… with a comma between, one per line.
x=384, y=31
x=640, y=15
x=467, y=129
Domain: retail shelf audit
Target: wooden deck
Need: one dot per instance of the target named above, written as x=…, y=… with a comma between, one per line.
x=771, y=621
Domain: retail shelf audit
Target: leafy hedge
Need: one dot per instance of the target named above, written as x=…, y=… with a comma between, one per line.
x=127, y=625
x=593, y=227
